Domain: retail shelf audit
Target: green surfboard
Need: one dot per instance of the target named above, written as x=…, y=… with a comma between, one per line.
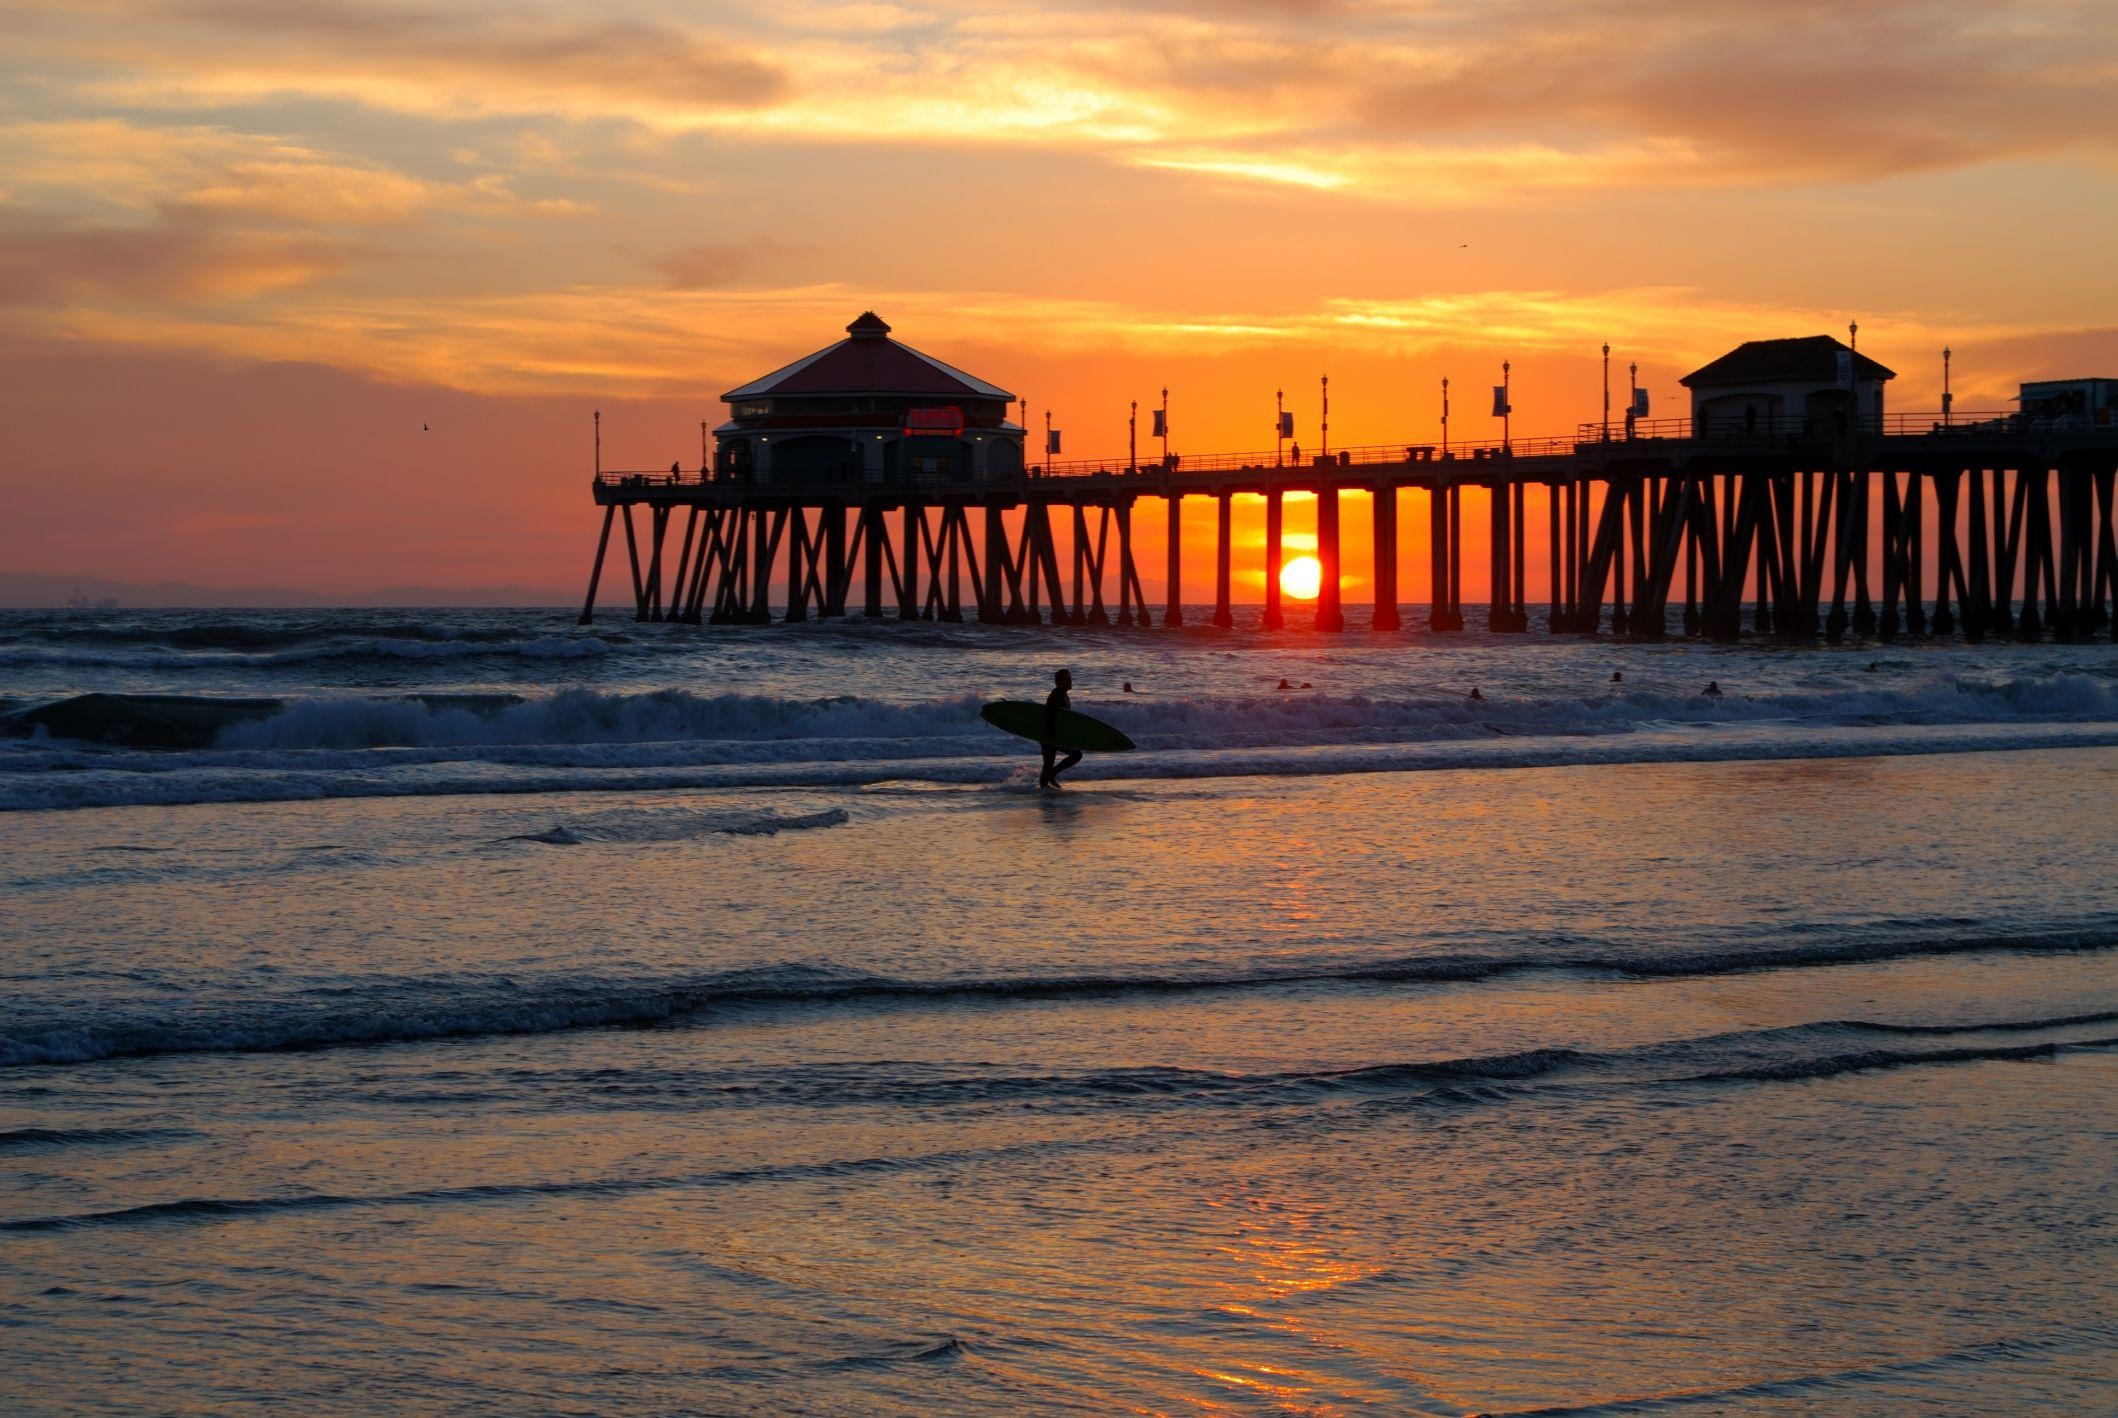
x=1026, y=720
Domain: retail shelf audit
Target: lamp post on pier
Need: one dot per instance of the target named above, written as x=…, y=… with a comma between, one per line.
x=1445, y=416
x=1948, y=399
x=1632, y=398
x=1165, y=428
x=1606, y=391
x=1853, y=370
x=1507, y=409
x=1279, y=428
x=1324, y=428
x=1132, y=439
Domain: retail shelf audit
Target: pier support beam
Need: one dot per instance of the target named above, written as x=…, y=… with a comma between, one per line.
x=1438, y=558
x=2106, y=593
x=994, y=591
x=1500, y=615
x=595, y=572
x=1330, y=614
x=1275, y=525
x=1128, y=577
x=915, y=525
x=1386, y=616
x=1223, y=616
x=1520, y=558
x=1173, y=602
x=1555, y=555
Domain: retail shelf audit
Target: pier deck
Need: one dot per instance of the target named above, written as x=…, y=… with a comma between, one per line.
x=1978, y=524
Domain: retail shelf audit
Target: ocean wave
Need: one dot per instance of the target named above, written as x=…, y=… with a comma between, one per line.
x=1831, y=1390
x=24, y=1138
x=277, y=631
x=1776, y=1055
x=36, y=777
x=581, y=717
x=172, y=659
x=1443, y=1082
x=415, y=1009
x=679, y=825
x=588, y=728
x=210, y=1208
x=586, y=717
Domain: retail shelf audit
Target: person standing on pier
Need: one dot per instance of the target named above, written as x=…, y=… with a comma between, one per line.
x=1054, y=702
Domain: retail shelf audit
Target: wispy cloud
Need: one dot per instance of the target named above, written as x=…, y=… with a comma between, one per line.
x=64, y=266
x=653, y=342
x=1507, y=94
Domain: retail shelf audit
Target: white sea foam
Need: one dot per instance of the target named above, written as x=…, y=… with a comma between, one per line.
x=679, y=824
x=588, y=717
x=177, y=779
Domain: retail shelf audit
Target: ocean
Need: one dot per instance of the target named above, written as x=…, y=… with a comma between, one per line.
x=464, y=1011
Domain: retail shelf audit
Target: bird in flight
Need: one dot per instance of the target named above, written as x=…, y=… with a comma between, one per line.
x=423, y=428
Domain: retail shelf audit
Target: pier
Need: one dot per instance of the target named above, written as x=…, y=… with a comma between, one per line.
x=1797, y=526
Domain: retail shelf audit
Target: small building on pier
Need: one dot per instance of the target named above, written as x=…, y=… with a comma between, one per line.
x=2071, y=403
x=1813, y=384
x=868, y=412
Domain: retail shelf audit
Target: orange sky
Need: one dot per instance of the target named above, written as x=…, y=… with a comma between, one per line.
x=247, y=248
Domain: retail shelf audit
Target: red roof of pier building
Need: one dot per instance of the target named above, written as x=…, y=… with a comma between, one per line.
x=868, y=362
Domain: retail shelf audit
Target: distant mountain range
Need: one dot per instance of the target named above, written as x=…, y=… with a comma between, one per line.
x=32, y=591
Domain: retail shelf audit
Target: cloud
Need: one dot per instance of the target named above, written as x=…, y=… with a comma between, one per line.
x=1366, y=98
x=719, y=265
x=1794, y=90
x=262, y=179
x=307, y=193
x=466, y=58
x=652, y=342
x=52, y=263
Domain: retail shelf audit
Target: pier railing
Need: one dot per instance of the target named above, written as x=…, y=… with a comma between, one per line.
x=1735, y=427
x=1268, y=463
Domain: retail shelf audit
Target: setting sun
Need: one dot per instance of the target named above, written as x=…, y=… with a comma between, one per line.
x=1301, y=578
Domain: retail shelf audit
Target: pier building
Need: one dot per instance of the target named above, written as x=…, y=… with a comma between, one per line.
x=1778, y=386
x=867, y=412
x=2070, y=402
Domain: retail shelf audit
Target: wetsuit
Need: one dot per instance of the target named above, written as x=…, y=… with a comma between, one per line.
x=1053, y=764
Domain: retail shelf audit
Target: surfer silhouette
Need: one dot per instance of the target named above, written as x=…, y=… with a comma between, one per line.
x=1057, y=700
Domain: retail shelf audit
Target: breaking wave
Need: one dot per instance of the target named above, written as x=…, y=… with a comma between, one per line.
x=399, y=1010
x=117, y=749
x=272, y=631
x=1798, y=1053
x=679, y=825
x=191, y=646
x=587, y=717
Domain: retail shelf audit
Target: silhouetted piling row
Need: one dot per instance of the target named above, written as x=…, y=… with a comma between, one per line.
x=1786, y=530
